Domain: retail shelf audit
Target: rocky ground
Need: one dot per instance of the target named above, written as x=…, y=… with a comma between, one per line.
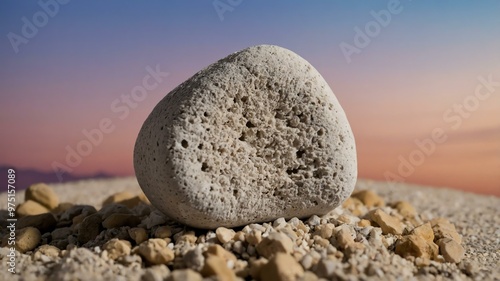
x=106, y=230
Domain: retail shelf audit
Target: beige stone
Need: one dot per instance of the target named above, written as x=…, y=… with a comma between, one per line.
x=364, y=223
x=62, y=207
x=216, y=266
x=443, y=228
x=163, y=232
x=117, y=248
x=184, y=275
x=233, y=144
x=451, y=250
x=43, y=251
x=139, y=234
x=405, y=209
x=30, y=208
x=416, y=246
x=354, y=205
x=281, y=267
x=118, y=197
x=254, y=237
x=255, y=267
x=224, y=235
x=155, y=251
x=275, y=243
x=27, y=239
x=424, y=231
x=388, y=223
x=324, y=230
x=42, y=194
x=369, y=198
x=344, y=238
x=217, y=250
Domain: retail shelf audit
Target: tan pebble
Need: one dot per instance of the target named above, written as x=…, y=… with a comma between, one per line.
x=117, y=248
x=321, y=241
x=30, y=208
x=163, y=232
x=117, y=220
x=364, y=223
x=445, y=229
x=345, y=219
x=344, y=238
x=27, y=239
x=224, y=235
x=405, y=209
x=118, y=197
x=217, y=250
x=155, y=273
x=239, y=236
x=369, y=198
x=424, y=231
x=281, y=267
x=451, y=250
x=47, y=250
x=326, y=268
x=254, y=237
x=155, y=251
x=309, y=276
x=255, y=267
x=276, y=242
x=184, y=275
x=388, y=223
x=216, y=266
x=422, y=262
x=134, y=201
x=187, y=237
x=42, y=194
x=139, y=234
x=324, y=230
x=416, y=246
x=354, y=205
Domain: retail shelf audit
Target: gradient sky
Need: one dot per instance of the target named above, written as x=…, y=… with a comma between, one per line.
x=407, y=82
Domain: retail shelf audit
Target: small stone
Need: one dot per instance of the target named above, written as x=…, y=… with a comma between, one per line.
x=281, y=267
x=61, y=208
x=224, y=235
x=416, y=246
x=217, y=250
x=138, y=234
x=135, y=201
x=254, y=135
x=184, y=275
x=324, y=230
x=254, y=237
x=443, y=228
x=369, y=198
x=117, y=220
x=42, y=194
x=77, y=210
x=216, y=266
x=89, y=228
x=309, y=276
x=326, y=268
x=61, y=233
x=388, y=223
x=155, y=273
x=44, y=222
x=256, y=266
x=354, y=205
x=117, y=248
x=27, y=239
x=364, y=223
x=155, y=251
x=163, y=232
x=117, y=198
x=275, y=243
x=451, y=250
x=344, y=237
x=46, y=250
x=113, y=208
x=186, y=237
x=30, y=208
x=424, y=231
x=194, y=258
x=405, y=209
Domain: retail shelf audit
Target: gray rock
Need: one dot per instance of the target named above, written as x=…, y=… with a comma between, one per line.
x=255, y=136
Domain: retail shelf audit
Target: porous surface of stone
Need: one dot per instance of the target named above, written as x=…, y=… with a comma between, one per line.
x=253, y=137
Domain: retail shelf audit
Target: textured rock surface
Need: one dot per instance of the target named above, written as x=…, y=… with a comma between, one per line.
x=256, y=136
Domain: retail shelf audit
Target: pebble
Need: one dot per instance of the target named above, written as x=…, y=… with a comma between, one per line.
x=42, y=194
x=156, y=273
x=44, y=222
x=281, y=267
x=416, y=246
x=451, y=250
x=224, y=235
x=274, y=243
x=388, y=223
x=90, y=228
x=117, y=248
x=184, y=275
x=405, y=209
x=117, y=198
x=425, y=231
x=369, y=198
x=216, y=266
x=117, y=220
x=443, y=228
x=234, y=143
x=138, y=234
x=30, y=208
x=27, y=239
x=155, y=251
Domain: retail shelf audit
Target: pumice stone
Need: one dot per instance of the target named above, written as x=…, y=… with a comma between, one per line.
x=256, y=136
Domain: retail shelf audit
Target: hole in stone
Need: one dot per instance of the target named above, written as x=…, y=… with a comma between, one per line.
x=300, y=153
x=244, y=99
x=211, y=189
x=184, y=143
x=200, y=146
x=315, y=203
x=235, y=192
x=320, y=132
x=242, y=138
x=154, y=159
x=204, y=167
x=157, y=144
x=250, y=125
x=161, y=128
x=335, y=174
x=292, y=171
x=205, y=114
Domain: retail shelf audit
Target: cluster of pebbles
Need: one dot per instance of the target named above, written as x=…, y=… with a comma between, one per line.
x=129, y=239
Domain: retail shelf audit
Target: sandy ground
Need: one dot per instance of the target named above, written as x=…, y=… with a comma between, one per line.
x=477, y=217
